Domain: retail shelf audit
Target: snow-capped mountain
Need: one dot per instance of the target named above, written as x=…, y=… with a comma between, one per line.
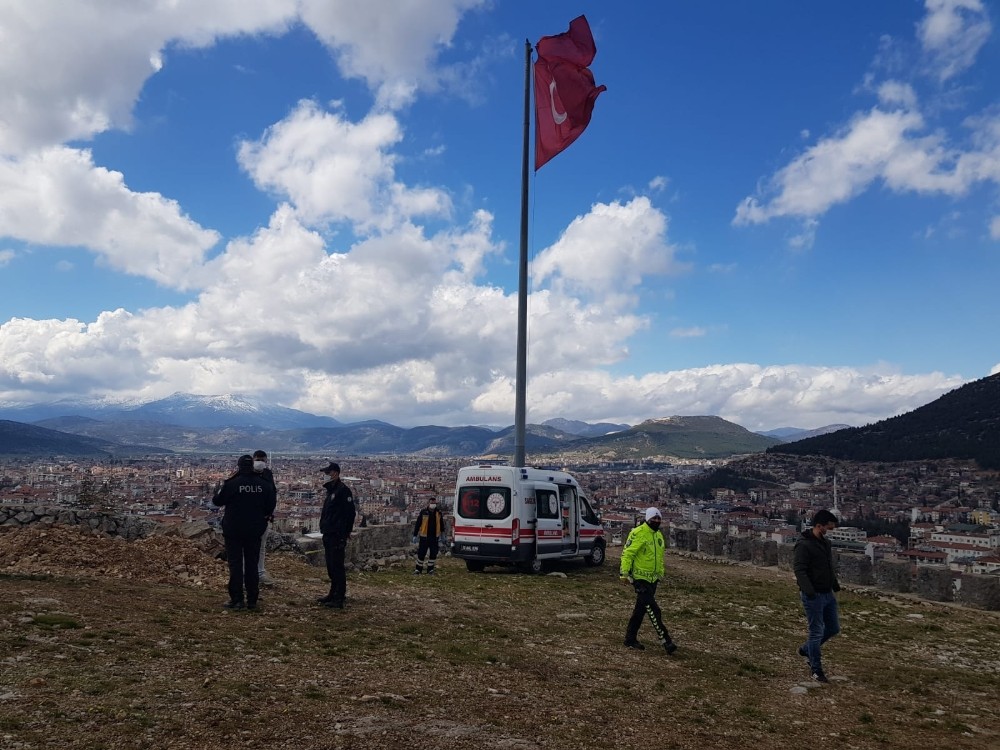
x=182, y=409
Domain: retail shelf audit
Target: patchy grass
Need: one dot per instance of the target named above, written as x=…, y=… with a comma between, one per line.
x=494, y=659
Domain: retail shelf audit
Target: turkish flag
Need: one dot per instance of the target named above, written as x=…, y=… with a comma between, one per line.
x=564, y=89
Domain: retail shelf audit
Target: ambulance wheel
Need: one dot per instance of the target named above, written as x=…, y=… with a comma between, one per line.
x=475, y=566
x=596, y=556
x=536, y=566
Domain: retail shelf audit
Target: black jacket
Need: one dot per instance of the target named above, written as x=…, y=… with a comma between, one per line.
x=337, y=518
x=813, y=565
x=249, y=500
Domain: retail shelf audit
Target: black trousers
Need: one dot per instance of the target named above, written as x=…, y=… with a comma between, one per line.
x=427, y=545
x=646, y=606
x=335, y=548
x=243, y=554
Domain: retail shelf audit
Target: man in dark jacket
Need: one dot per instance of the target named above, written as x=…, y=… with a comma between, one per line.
x=249, y=500
x=336, y=522
x=816, y=576
x=428, y=535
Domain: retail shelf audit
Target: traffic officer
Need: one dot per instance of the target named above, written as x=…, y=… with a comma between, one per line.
x=642, y=567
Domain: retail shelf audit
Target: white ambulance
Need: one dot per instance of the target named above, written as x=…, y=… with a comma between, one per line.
x=523, y=516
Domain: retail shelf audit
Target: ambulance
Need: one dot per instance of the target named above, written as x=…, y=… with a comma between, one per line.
x=521, y=516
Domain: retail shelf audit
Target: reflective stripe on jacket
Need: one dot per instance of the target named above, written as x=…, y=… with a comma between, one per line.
x=642, y=555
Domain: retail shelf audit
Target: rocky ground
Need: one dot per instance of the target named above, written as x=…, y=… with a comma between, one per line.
x=110, y=644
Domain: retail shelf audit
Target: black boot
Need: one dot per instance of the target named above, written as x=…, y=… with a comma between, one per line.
x=234, y=604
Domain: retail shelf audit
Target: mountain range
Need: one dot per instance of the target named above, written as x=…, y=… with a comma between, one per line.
x=964, y=423
x=227, y=424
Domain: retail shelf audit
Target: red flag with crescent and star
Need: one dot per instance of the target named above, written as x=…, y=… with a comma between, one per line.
x=564, y=89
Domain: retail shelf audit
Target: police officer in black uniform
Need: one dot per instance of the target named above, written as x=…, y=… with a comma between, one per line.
x=336, y=522
x=249, y=500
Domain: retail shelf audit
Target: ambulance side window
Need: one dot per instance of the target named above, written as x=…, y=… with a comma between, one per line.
x=588, y=513
x=547, y=504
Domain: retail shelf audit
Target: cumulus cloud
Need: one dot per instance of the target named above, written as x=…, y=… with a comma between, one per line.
x=605, y=253
x=754, y=396
x=388, y=44
x=952, y=33
x=332, y=169
x=6, y=256
x=83, y=75
x=892, y=143
x=57, y=196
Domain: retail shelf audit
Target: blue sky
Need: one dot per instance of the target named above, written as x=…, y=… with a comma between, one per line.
x=785, y=213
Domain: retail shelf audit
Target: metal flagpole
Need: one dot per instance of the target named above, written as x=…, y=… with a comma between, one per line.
x=520, y=386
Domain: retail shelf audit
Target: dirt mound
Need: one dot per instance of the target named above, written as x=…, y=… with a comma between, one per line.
x=76, y=551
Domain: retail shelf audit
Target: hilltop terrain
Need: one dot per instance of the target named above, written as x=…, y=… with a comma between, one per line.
x=112, y=644
x=964, y=423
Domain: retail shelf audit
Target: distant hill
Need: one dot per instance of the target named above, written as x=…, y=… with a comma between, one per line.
x=789, y=434
x=19, y=439
x=584, y=429
x=683, y=437
x=964, y=424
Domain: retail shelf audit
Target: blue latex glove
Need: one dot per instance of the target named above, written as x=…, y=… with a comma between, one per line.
x=415, y=540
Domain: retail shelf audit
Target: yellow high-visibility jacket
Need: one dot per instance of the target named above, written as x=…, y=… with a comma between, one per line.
x=642, y=555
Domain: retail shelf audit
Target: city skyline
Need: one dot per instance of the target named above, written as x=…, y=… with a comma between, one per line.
x=784, y=216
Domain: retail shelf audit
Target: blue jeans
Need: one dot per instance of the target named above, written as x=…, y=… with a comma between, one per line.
x=823, y=622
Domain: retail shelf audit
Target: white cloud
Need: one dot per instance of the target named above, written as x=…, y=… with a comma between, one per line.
x=84, y=73
x=995, y=228
x=58, y=196
x=391, y=45
x=877, y=145
x=606, y=253
x=334, y=170
x=895, y=93
x=952, y=33
x=6, y=256
x=688, y=333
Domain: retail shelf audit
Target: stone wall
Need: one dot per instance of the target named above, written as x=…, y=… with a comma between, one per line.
x=370, y=548
x=737, y=548
x=367, y=544
x=855, y=568
x=933, y=582
x=710, y=543
x=684, y=539
x=893, y=575
x=129, y=527
x=763, y=553
x=981, y=592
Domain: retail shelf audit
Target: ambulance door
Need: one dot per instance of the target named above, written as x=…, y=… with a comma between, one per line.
x=548, y=530
x=569, y=507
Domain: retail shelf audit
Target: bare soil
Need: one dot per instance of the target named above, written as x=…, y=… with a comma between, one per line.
x=110, y=644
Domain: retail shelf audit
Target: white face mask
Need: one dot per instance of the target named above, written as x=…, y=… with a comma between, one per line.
x=432, y=506
x=259, y=465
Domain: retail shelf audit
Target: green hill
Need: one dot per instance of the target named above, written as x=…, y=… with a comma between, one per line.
x=962, y=424
x=683, y=437
x=20, y=439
